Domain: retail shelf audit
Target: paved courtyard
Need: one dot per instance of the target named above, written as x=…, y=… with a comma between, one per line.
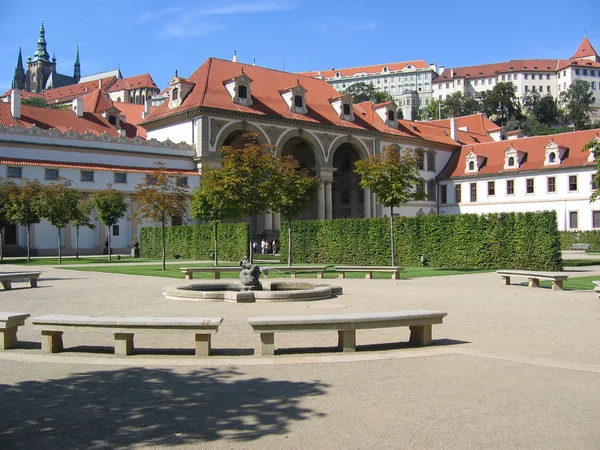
x=511, y=367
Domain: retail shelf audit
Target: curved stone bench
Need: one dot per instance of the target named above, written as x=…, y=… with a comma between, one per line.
x=293, y=270
x=124, y=329
x=419, y=322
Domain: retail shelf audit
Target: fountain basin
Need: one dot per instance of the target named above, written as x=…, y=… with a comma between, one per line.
x=281, y=291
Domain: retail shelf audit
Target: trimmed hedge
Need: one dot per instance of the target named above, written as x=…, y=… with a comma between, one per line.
x=528, y=241
x=196, y=241
x=568, y=238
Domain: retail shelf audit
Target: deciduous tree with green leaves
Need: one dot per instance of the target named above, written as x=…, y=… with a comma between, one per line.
x=594, y=147
x=576, y=102
x=6, y=188
x=433, y=111
x=161, y=196
x=25, y=206
x=59, y=203
x=81, y=217
x=500, y=103
x=213, y=202
x=110, y=206
x=393, y=176
x=365, y=92
x=295, y=191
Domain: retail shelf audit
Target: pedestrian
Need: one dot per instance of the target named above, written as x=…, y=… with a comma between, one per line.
x=263, y=246
x=274, y=246
x=254, y=245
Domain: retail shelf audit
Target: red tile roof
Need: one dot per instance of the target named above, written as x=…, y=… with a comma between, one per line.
x=136, y=82
x=210, y=92
x=585, y=49
x=584, y=63
x=377, y=68
x=24, y=95
x=133, y=115
x=96, y=102
x=88, y=166
x=63, y=120
x=68, y=93
x=492, y=70
x=534, y=147
x=477, y=124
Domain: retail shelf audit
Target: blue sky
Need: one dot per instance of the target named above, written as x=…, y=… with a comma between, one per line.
x=159, y=37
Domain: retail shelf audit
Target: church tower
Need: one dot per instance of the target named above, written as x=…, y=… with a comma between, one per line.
x=40, y=68
x=77, y=67
x=20, y=79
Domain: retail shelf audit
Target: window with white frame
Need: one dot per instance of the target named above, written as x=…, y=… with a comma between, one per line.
x=14, y=172
x=473, y=189
x=458, y=193
x=572, y=183
x=87, y=176
x=431, y=161
x=595, y=219
x=431, y=191
x=51, y=174
x=573, y=220
x=529, y=186
x=120, y=177
x=491, y=188
x=510, y=187
x=551, y=181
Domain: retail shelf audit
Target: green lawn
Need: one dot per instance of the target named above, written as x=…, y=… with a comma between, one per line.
x=576, y=283
x=174, y=272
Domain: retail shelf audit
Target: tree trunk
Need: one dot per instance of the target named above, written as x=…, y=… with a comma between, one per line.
x=59, y=245
x=77, y=242
x=28, y=242
x=1, y=243
x=392, y=235
x=216, y=254
x=164, y=246
x=289, y=258
x=109, y=244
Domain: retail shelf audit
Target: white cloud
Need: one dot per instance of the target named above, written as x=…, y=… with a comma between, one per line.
x=237, y=7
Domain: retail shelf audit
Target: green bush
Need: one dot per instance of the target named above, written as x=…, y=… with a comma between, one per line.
x=492, y=241
x=196, y=242
x=568, y=238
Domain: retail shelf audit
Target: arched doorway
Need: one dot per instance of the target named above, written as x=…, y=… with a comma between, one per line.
x=303, y=152
x=239, y=138
x=347, y=196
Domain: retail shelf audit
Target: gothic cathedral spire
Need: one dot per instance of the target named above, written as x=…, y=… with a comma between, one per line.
x=20, y=79
x=77, y=67
x=41, y=54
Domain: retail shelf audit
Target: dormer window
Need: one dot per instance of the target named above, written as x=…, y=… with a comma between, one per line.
x=295, y=98
x=387, y=113
x=338, y=75
x=386, y=69
x=391, y=116
x=112, y=120
x=175, y=94
x=471, y=165
x=179, y=88
x=346, y=109
x=474, y=162
x=513, y=158
x=343, y=106
x=240, y=89
x=554, y=153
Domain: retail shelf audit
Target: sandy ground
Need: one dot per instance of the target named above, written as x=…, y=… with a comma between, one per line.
x=511, y=367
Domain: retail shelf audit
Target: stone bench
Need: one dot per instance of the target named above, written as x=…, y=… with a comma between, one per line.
x=584, y=247
x=395, y=270
x=8, y=278
x=293, y=270
x=419, y=322
x=9, y=325
x=189, y=271
x=124, y=329
x=534, y=277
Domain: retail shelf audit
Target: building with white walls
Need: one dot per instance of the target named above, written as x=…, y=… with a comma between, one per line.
x=546, y=76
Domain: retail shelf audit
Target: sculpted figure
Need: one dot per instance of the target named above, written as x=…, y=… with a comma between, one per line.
x=249, y=275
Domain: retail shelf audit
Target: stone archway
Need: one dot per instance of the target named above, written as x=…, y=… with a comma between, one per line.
x=348, y=199
x=239, y=138
x=232, y=134
x=303, y=152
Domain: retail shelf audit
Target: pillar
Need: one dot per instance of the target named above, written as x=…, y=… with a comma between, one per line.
x=328, y=201
x=321, y=200
x=367, y=197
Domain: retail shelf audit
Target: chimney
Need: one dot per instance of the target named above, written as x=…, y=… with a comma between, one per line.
x=453, y=129
x=15, y=104
x=146, y=112
x=433, y=66
x=441, y=70
x=451, y=73
x=100, y=83
x=78, y=106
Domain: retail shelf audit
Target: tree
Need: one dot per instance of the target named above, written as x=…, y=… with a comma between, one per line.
x=59, y=203
x=26, y=206
x=295, y=191
x=433, y=111
x=393, y=176
x=501, y=103
x=213, y=202
x=160, y=196
x=543, y=108
x=365, y=92
x=81, y=217
x=453, y=105
x=110, y=205
x=576, y=102
x=6, y=188
x=594, y=147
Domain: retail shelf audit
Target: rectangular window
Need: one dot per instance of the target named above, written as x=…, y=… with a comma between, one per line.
x=14, y=172
x=443, y=193
x=51, y=174
x=576, y=73
x=510, y=187
x=475, y=82
x=547, y=76
x=458, y=193
x=491, y=188
x=595, y=219
x=529, y=185
x=473, y=192
x=182, y=181
x=573, y=219
x=547, y=88
x=551, y=184
x=572, y=183
x=585, y=72
x=594, y=85
x=346, y=109
x=87, y=175
x=503, y=77
x=525, y=76
x=541, y=88
x=458, y=82
x=120, y=177
x=115, y=230
x=593, y=182
x=526, y=88
x=593, y=73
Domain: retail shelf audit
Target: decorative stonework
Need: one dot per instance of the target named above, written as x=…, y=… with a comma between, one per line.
x=326, y=141
x=370, y=145
x=215, y=127
x=273, y=133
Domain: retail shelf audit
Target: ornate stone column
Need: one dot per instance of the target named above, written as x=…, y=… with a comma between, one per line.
x=325, y=175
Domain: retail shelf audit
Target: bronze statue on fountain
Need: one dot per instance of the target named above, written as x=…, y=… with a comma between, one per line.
x=249, y=275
